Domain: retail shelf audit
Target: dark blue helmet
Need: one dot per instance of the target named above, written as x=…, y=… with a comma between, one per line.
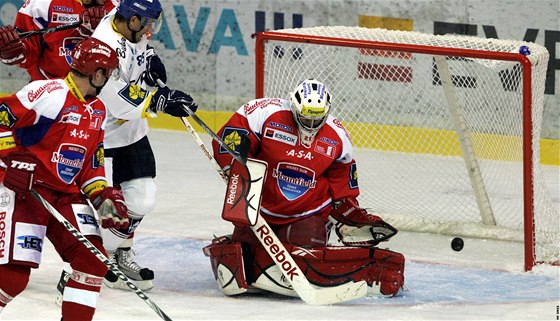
x=146, y=9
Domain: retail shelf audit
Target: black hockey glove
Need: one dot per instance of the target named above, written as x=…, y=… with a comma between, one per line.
x=172, y=102
x=154, y=70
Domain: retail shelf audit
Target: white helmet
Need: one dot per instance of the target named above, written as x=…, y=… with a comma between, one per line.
x=311, y=104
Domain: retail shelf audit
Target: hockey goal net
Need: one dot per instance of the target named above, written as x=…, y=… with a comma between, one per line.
x=446, y=129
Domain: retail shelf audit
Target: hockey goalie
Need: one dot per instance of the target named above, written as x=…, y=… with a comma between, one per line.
x=306, y=187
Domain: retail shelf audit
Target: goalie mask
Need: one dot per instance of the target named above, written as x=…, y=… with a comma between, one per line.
x=311, y=105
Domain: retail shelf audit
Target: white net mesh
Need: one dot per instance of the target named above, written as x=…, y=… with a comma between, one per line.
x=411, y=147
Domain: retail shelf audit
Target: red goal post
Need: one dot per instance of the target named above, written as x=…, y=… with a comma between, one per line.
x=445, y=128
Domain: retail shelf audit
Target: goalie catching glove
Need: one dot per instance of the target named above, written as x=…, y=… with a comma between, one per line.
x=111, y=208
x=356, y=227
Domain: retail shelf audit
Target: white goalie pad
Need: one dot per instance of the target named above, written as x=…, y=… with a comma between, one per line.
x=273, y=280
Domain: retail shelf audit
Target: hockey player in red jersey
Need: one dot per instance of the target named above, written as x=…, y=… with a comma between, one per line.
x=48, y=56
x=51, y=140
x=311, y=184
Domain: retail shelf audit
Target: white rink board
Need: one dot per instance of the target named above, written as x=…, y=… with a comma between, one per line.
x=209, y=52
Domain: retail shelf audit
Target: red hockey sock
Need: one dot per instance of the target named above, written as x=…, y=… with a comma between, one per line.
x=13, y=280
x=80, y=298
x=73, y=311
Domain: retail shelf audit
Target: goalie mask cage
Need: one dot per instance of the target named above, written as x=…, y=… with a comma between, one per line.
x=445, y=128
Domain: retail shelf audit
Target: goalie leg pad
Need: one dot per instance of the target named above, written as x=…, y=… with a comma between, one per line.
x=226, y=257
x=268, y=275
x=383, y=270
x=262, y=272
x=387, y=272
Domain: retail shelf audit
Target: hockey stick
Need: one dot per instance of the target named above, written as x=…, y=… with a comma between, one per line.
x=207, y=129
x=112, y=266
x=307, y=292
x=204, y=149
x=199, y=141
x=26, y=34
x=199, y=121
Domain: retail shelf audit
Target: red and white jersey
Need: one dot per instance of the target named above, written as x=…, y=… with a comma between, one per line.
x=111, y=4
x=48, y=56
x=51, y=119
x=300, y=181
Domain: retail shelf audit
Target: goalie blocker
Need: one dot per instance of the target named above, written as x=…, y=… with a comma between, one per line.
x=241, y=263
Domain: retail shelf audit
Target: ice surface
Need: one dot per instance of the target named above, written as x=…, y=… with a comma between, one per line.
x=482, y=282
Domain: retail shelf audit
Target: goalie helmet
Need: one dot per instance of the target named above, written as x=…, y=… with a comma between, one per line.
x=149, y=11
x=311, y=105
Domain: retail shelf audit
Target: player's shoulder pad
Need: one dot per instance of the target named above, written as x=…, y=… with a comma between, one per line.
x=49, y=94
x=37, y=9
x=343, y=136
x=266, y=105
x=338, y=127
x=259, y=110
x=107, y=34
x=41, y=90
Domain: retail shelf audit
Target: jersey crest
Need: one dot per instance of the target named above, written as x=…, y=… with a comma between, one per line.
x=353, y=177
x=98, y=157
x=69, y=161
x=133, y=94
x=232, y=137
x=293, y=180
x=7, y=117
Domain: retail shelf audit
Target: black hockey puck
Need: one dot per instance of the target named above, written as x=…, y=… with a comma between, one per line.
x=457, y=244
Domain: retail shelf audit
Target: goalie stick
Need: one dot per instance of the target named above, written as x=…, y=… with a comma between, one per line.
x=204, y=149
x=27, y=34
x=199, y=141
x=112, y=266
x=307, y=292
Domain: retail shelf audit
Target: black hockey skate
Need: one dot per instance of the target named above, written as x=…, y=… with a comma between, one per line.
x=124, y=258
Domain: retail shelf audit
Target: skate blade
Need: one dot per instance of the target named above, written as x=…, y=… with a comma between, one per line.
x=144, y=285
x=58, y=300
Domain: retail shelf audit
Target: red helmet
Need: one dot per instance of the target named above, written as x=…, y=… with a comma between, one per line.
x=91, y=54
